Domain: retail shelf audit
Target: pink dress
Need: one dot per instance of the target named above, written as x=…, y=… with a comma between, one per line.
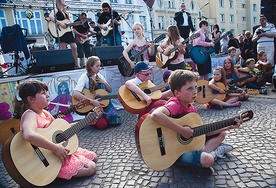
x=73, y=163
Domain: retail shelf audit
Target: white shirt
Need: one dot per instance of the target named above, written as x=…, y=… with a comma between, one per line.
x=83, y=82
x=266, y=41
x=185, y=17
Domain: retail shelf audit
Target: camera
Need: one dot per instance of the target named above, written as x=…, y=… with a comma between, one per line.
x=260, y=31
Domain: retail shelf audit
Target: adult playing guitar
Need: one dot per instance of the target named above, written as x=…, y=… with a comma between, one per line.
x=59, y=16
x=82, y=33
x=110, y=31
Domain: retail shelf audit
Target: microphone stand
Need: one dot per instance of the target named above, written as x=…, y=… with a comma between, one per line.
x=56, y=24
x=113, y=26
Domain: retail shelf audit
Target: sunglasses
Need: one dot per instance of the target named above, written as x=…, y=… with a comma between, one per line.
x=148, y=74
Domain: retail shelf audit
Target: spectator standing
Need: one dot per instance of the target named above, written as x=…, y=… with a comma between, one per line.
x=224, y=45
x=264, y=36
x=215, y=35
x=247, y=48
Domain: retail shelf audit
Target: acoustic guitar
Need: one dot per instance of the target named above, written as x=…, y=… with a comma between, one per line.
x=200, y=54
x=162, y=61
x=7, y=126
x=134, y=103
x=206, y=94
x=61, y=31
x=108, y=24
x=124, y=66
x=265, y=68
x=99, y=94
x=32, y=166
x=160, y=146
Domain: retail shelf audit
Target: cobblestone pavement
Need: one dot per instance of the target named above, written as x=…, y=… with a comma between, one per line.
x=252, y=162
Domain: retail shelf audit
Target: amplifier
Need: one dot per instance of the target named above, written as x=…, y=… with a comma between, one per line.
x=109, y=55
x=54, y=60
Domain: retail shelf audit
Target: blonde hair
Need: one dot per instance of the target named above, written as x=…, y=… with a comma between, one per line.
x=93, y=85
x=63, y=11
x=139, y=24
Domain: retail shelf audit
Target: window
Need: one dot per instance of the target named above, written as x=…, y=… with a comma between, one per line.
x=3, y=22
x=243, y=5
x=231, y=18
x=33, y=25
x=171, y=4
x=254, y=7
x=222, y=17
x=254, y=19
x=143, y=22
x=97, y=0
x=192, y=5
x=130, y=20
x=221, y=3
x=113, y=1
x=160, y=22
x=172, y=21
x=128, y=2
x=243, y=18
x=231, y=4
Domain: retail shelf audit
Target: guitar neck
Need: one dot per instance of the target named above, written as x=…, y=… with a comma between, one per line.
x=207, y=128
x=140, y=52
x=158, y=87
x=104, y=97
x=177, y=46
x=68, y=133
x=68, y=111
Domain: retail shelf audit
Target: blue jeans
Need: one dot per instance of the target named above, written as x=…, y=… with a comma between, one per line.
x=190, y=159
x=110, y=39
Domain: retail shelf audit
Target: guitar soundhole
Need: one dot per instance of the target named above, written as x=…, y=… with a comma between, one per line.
x=183, y=140
x=147, y=91
x=59, y=137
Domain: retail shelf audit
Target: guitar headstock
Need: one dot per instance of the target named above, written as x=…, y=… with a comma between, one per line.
x=194, y=36
x=82, y=104
x=124, y=15
x=246, y=115
x=159, y=38
x=98, y=110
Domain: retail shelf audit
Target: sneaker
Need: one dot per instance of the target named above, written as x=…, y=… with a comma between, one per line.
x=263, y=91
x=222, y=149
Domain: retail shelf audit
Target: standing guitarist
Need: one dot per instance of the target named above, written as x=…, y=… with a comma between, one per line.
x=61, y=14
x=113, y=38
x=82, y=38
x=205, y=68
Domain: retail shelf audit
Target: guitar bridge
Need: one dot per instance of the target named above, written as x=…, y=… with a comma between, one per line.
x=161, y=141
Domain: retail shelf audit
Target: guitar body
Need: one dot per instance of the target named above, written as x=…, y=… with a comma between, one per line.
x=136, y=104
x=265, y=68
x=109, y=28
x=23, y=163
x=160, y=146
x=81, y=40
x=200, y=54
x=205, y=93
x=174, y=145
x=5, y=127
x=61, y=31
x=243, y=75
x=124, y=67
x=89, y=107
x=162, y=61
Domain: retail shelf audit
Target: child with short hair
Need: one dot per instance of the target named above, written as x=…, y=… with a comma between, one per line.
x=183, y=85
x=142, y=73
x=232, y=54
x=254, y=82
x=35, y=98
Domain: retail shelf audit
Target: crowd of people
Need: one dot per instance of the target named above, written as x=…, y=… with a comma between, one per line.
x=177, y=98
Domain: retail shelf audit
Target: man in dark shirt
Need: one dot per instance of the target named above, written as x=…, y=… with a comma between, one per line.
x=98, y=33
x=108, y=22
x=82, y=33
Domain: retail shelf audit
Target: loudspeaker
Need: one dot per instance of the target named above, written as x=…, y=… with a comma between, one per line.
x=109, y=55
x=269, y=10
x=274, y=80
x=54, y=60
